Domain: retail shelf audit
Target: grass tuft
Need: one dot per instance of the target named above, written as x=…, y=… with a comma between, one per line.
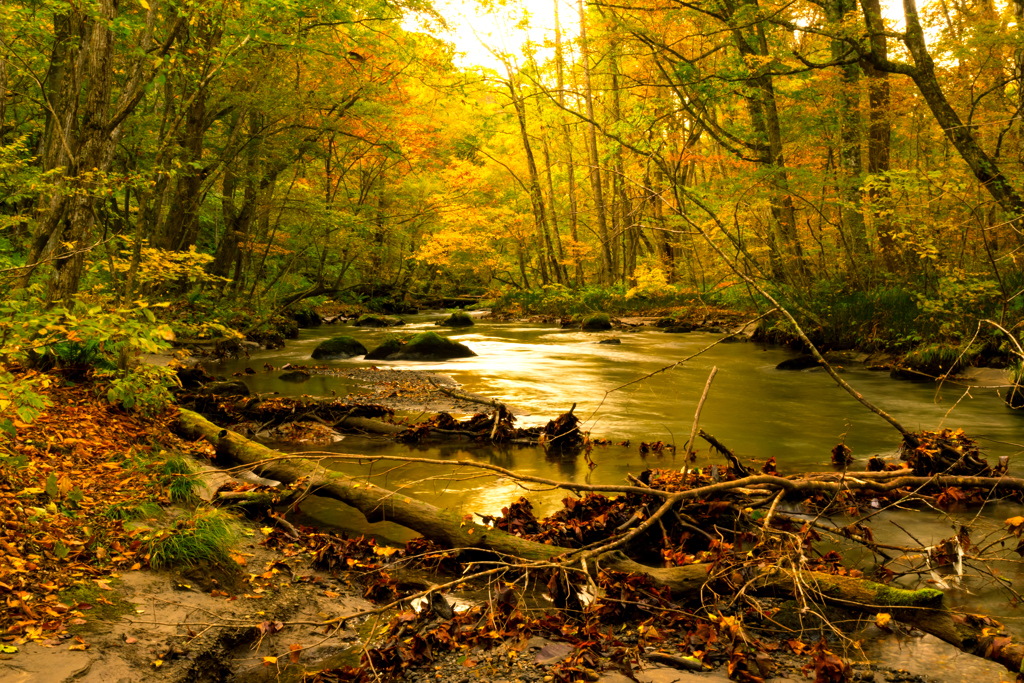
x=203, y=537
x=178, y=476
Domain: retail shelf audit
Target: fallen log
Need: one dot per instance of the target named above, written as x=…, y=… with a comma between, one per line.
x=922, y=609
x=365, y=424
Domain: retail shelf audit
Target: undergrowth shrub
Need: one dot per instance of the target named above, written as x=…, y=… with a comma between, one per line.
x=95, y=339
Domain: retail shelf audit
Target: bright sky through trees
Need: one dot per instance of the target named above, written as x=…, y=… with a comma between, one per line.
x=476, y=28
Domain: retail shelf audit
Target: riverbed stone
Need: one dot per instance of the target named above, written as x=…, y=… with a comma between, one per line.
x=392, y=344
x=597, y=321
x=799, y=363
x=613, y=340
x=679, y=328
x=457, y=319
x=296, y=376
x=371, y=320
x=425, y=346
x=341, y=346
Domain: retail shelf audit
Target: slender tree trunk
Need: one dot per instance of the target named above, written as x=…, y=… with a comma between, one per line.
x=595, y=169
x=557, y=263
x=851, y=164
x=879, y=136
x=625, y=210
x=182, y=227
x=536, y=198
x=570, y=167
x=783, y=238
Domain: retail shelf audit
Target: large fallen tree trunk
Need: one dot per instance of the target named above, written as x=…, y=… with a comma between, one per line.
x=923, y=609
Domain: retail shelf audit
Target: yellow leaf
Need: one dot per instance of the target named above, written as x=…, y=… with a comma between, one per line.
x=269, y=660
x=882, y=620
x=145, y=5
x=157, y=663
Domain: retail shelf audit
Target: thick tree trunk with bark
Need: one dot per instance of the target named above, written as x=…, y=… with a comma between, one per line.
x=84, y=128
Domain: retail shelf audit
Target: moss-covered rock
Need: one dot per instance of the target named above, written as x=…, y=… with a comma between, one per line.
x=457, y=319
x=392, y=344
x=372, y=320
x=597, y=321
x=297, y=376
x=338, y=347
x=425, y=346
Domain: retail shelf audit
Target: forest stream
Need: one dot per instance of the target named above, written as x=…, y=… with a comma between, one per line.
x=755, y=409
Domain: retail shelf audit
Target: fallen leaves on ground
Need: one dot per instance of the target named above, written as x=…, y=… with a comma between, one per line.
x=66, y=481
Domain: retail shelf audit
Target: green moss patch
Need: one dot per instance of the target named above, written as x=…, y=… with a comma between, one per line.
x=425, y=346
x=338, y=347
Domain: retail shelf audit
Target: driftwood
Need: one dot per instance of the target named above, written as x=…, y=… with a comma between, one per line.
x=923, y=609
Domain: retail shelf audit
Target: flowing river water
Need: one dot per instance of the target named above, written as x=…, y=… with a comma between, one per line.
x=756, y=410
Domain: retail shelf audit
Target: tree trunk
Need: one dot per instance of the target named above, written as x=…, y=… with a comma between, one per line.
x=985, y=169
x=879, y=136
x=84, y=130
x=570, y=167
x=625, y=211
x=851, y=164
x=557, y=261
x=764, y=114
x=536, y=197
x=595, y=169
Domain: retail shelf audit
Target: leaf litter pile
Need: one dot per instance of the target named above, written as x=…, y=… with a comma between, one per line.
x=616, y=623
x=74, y=486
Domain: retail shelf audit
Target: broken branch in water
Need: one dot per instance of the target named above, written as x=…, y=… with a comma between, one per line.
x=922, y=609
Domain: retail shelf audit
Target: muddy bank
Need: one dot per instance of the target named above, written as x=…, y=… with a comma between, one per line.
x=197, y=625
